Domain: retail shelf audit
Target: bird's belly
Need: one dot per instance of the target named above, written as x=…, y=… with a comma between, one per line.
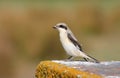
x=70, y=48
x=71, y=51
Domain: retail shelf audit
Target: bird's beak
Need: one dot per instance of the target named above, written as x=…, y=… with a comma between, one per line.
x=55, y=27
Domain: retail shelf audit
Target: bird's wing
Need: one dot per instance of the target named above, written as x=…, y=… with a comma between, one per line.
x=72, y=35
x=74, y=41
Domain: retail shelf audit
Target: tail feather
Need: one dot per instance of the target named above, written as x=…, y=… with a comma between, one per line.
x=89, y=58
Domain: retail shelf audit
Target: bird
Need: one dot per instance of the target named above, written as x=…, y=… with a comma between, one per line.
x=71, y=44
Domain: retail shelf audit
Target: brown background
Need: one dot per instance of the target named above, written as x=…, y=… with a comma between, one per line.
x=27, y=37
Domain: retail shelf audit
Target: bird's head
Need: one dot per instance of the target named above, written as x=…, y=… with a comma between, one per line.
x=61, y=27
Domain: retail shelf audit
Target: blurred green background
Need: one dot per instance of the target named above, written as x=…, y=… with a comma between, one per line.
x=27, y=37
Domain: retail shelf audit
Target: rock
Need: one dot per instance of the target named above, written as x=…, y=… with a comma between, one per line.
x=63, y=69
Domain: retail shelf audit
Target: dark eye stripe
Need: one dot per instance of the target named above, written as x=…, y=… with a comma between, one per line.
x=62, y=26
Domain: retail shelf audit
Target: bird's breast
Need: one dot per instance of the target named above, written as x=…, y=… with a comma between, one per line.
x=68, y=45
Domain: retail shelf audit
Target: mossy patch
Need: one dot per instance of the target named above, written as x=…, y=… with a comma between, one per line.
x=48, y=69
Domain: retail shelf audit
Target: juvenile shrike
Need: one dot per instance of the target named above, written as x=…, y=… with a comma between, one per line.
x=70, y=43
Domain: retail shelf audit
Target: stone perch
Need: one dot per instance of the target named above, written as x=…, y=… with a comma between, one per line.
x=77, y=69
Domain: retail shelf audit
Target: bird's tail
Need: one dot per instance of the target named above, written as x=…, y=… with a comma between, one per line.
x=89, y=58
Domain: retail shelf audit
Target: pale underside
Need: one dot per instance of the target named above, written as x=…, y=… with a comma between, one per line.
x=69, y=47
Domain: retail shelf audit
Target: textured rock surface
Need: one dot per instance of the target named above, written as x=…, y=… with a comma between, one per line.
x=106, y=69
x=52, y=69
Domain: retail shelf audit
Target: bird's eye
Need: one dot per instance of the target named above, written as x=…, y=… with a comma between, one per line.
x=61, y=26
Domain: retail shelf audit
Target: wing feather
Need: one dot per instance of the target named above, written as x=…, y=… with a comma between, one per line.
x=74, y=41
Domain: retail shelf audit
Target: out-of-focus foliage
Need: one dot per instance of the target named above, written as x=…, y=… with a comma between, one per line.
x=26, y=34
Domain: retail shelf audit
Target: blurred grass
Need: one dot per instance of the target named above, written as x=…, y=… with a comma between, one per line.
x=26, y=34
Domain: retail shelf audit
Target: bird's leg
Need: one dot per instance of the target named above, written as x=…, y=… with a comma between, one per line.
x=85, y=59
x=70, y=58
